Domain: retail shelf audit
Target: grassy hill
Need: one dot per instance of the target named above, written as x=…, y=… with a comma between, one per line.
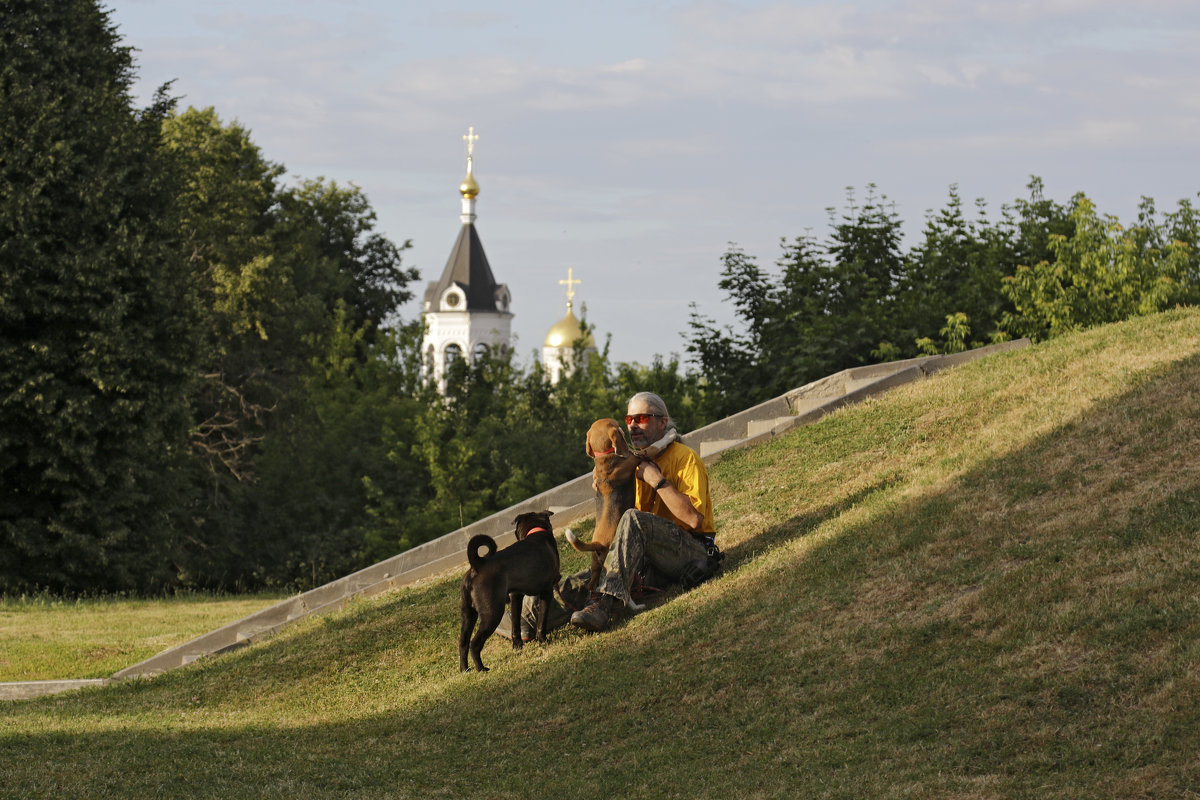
x=980, y=585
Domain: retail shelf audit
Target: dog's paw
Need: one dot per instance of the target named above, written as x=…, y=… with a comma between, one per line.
x=635, y=606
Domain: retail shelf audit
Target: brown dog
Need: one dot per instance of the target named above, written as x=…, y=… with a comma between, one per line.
x=614, y=476
x=528, y=566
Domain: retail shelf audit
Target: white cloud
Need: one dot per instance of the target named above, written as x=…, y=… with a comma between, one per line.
x=634, y=65
x=776, y=25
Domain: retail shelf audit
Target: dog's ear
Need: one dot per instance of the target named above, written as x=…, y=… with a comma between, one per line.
x=617, y=439
x=587, y=445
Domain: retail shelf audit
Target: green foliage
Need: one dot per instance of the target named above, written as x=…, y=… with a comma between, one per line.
x=315, y=445
x=954, y=336
x=1101, y=272
x=1181, y=225
x=227, y=194
x=329, y=232
x=825, y=312
x=309, y=506
x=956, y=269
x=502, y=434
x=96, y=343
x=204, y=381
x=866, y=264
x=301, y=378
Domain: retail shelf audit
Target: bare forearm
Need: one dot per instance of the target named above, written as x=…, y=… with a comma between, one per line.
x=679, y=504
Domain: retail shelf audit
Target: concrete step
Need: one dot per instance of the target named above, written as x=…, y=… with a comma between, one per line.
x=26, y=690
x=774, y=426
x=711, y=448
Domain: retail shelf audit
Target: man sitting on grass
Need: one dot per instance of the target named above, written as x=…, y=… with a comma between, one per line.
x=670, y=530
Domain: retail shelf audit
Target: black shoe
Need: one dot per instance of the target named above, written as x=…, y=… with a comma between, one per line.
x=697, y=572
x=594, y=616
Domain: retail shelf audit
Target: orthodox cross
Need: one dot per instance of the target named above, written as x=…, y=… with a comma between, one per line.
x=569, y=284
x=470, y=139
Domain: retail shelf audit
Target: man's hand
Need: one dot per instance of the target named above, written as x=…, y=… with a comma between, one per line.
x=649, y=472
x=678, y=502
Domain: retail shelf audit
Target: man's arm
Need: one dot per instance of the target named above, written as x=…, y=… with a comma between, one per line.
x=678, y=502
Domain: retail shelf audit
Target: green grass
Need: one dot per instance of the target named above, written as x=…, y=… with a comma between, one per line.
x=981, y=585
x=44, y=638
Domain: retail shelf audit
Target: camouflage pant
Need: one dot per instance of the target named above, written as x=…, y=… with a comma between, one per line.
x=645, y=543
x=644, y=540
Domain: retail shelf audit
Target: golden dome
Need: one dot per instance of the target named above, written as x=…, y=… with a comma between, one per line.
x=567, y=330
x=469, y=188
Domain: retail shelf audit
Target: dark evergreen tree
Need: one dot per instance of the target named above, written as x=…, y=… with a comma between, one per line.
x=733, y=363
x=307, y=517
x=96, y=342
x=866, y=264
x=956, y=269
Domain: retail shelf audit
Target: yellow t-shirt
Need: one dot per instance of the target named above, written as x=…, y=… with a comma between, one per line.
x=681, y=465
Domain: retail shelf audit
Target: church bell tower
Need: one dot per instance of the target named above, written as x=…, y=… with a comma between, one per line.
x=466, y=311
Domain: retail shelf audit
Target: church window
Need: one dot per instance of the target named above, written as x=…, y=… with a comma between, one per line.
x=453, y=353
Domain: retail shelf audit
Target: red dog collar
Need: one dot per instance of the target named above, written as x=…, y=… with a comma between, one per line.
x=607, y=452
x=532, y=531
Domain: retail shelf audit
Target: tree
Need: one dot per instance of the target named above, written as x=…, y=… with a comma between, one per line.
x=96, y=325
x=825, y=311
x=327, y=452
x=867, y=264
x=952, y=279
x=227, y=193
x=1101, y=272
x=1183, y=226
x=329, y=230
x=732, y=362
x=296, y=289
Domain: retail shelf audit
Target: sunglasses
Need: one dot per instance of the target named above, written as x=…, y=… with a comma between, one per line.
x=641, y=419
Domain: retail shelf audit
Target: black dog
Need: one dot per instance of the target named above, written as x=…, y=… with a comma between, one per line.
x=529, y=566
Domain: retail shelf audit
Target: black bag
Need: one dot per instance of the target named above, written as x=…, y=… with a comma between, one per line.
x=700, y=570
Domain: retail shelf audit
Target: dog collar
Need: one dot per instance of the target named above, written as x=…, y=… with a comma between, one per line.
x=607, y=452
x=532, y=531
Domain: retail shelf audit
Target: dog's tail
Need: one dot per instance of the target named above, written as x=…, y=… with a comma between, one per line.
x=582, y=547
x=478, y=541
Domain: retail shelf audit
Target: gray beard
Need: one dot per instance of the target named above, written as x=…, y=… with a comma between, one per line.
x=653, y=450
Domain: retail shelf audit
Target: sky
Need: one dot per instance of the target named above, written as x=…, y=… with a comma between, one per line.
x=633, y=142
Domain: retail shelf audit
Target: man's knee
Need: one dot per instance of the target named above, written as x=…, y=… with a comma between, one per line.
x=630, y=524
x=628, y=521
